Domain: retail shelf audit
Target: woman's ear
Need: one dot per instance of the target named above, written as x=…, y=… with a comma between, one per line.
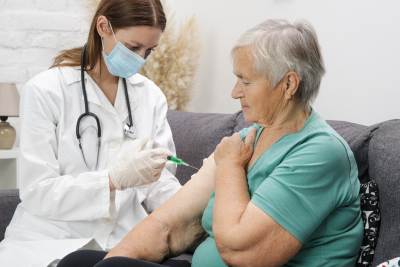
x=291, y=81
x=102, y=26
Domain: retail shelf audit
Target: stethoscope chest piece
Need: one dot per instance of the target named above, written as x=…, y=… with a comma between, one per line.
x=131, y=131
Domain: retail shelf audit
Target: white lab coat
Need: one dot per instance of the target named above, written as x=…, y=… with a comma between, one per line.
x=64, y=206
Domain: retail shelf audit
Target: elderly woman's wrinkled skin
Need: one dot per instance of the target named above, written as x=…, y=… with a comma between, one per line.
x=242, y=231
x=259, y=103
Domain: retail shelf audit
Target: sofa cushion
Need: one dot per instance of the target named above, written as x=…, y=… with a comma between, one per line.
x=196, y=135
x=9, y=199
x=384, y=155
x=391, y=263
x=371, y=218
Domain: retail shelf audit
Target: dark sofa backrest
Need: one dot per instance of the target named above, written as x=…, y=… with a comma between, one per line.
x=384, y=168
x=9, y=199
x=196, y=135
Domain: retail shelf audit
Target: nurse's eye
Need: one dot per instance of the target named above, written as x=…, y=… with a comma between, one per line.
x=148, y=52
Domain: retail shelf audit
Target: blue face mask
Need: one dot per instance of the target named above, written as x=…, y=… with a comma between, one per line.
x=122, y=62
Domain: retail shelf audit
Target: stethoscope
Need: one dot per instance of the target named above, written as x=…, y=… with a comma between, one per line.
x=129, y=129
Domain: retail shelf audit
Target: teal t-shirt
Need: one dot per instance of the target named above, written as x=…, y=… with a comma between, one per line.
x=308, y=183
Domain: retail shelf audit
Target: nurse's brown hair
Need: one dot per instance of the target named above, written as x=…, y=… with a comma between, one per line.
x=121, y=14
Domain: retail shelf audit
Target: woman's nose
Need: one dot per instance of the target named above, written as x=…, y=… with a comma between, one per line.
x=237, y=92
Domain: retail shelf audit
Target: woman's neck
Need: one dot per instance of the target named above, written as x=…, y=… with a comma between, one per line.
x=107, y=82
x=290, y=120
x=100, y=73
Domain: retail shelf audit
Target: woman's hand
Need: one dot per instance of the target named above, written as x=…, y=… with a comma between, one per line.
x=233, y=148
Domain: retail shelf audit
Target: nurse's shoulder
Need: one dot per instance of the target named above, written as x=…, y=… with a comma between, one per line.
x=43, y=94
x=50, y=82
x=49, y=79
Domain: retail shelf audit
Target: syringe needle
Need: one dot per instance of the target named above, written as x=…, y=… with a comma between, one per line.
x=179, y=161
x=193, y=167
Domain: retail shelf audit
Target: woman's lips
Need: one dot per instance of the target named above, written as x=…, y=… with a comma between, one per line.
x=245, y=107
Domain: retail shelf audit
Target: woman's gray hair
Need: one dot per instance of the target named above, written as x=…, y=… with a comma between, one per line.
x=280, y=46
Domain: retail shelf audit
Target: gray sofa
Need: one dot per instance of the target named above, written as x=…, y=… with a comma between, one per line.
x=376, y=149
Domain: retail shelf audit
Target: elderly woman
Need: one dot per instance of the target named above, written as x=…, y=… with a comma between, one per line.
x=283, y=192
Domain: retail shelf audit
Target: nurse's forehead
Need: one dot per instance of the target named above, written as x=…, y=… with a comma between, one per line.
x=141, y=35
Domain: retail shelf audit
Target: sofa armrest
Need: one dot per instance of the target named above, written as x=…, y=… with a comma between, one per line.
x=9, y=199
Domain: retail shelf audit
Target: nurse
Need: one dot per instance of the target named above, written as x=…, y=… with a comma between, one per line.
x=88, y=184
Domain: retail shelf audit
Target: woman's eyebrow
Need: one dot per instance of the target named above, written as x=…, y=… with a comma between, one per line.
x=238, y=75
x=140, y=45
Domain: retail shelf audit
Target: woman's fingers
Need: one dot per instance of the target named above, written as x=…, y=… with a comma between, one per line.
x=247, y=146
x=232, y=147
x=250, y=138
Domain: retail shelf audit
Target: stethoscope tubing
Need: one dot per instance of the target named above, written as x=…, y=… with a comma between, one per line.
x=127, y=103
x=86, y=113
x=90, y=114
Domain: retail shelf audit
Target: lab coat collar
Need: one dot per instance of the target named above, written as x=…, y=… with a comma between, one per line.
x=120, y=100
x=73, y=75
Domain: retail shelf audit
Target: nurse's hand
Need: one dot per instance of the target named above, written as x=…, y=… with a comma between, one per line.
x=138, y=167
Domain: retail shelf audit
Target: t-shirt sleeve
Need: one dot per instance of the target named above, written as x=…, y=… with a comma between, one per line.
x=243, y=133
x=306, y=186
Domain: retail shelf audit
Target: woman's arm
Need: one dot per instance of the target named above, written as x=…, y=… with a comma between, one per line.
x=172, y=228
x=242, y=231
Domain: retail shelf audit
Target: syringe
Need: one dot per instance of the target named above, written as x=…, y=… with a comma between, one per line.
x=179, y=161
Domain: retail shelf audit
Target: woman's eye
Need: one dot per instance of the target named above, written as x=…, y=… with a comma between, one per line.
x=133, y=48
x=148, y=52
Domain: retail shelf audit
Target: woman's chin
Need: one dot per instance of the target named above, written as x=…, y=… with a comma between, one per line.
x=248, y=115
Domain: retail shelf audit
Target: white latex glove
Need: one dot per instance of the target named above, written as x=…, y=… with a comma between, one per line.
x=138, y=167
